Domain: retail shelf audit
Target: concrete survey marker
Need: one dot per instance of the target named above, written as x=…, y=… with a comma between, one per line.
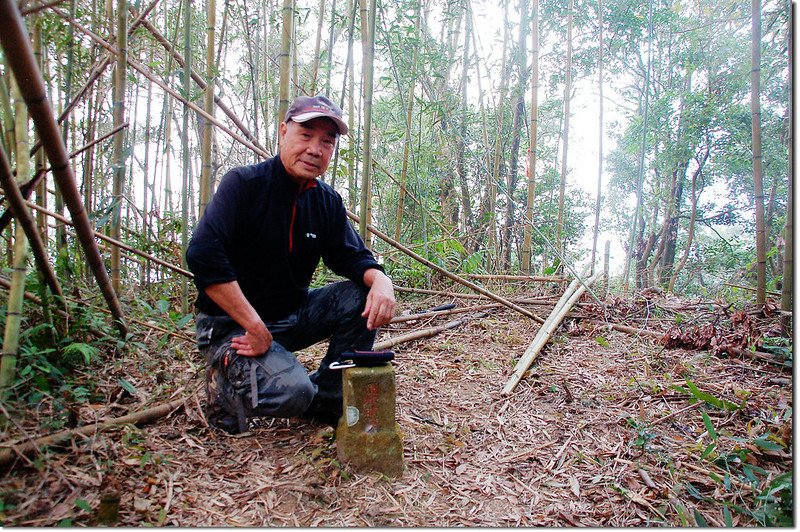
x=368, y=438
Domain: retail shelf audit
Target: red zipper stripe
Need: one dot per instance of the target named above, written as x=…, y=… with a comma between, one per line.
x=305, y=186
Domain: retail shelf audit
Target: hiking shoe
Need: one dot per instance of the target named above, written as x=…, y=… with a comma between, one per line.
x=323, y=412
x=216, y=415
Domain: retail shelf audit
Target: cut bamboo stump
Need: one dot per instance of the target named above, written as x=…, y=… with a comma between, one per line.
x=573, y=292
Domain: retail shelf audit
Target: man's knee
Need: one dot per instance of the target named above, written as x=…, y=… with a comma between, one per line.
x=274, y=384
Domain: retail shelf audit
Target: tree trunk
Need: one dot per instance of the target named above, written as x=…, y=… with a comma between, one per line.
x=565, y=140
x=640, y=177
x=496, y=175
x=461, y=169
x=787, y=290
x=692, y=219
x=206, y=174
x=368, y=44
x=596, y=229
x=758, y=184
x=186, y=156
x=527, y=243
x=119, y=166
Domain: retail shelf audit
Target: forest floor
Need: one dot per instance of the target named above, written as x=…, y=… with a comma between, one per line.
x=606, y=429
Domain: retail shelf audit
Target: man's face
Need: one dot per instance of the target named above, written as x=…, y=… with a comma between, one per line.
x=306, y=147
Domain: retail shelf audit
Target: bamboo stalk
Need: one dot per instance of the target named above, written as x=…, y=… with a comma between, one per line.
x=440, y=313
x=446, y=273
x=15, y=42
x=17, y=205
x=10, y=349
x=424, y=333
x=574, y=291
x=202, y=84
x=535, y=278
x=546, y=300
x=10, y=450
x=98, y=68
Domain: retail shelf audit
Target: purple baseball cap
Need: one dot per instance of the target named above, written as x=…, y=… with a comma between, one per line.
x=305, y=108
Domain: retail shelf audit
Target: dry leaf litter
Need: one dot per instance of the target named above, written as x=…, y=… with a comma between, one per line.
x=600, y=432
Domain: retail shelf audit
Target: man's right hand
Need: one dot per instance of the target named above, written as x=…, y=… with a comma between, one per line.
x=254, y=343
x=257, y=339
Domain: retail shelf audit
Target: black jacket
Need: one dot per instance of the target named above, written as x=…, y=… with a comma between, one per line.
x=266, y=232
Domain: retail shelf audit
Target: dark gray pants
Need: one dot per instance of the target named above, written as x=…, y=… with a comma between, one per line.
x=275, y=384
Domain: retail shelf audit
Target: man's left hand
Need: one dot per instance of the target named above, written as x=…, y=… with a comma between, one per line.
x=379, y=308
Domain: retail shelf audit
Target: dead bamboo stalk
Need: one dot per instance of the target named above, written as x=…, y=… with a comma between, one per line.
x=23, y=216
x=440, y=313
x=424, y=333
x=574, y=291
x=629, y=330
x=9, y=450
x=16, y=44
x=750, y=288
x=534, y=278
x=114, y=242
x=545, y=300
x=446, y=273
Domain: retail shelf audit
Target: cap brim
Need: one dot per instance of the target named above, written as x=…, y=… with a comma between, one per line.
x=305, y=117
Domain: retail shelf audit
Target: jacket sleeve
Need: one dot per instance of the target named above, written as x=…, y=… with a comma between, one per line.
x=208, y=252
x=345, y=252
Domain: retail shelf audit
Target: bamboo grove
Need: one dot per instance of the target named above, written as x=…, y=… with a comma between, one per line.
x=485, y=137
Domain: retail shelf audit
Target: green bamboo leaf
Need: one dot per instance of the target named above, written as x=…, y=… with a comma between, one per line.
x=767, y=444
x=83, y=505
x=709, y=450
x=699, y=519
x=127, y=386
x=602, y=341
x=709, y=426
x=726, y=514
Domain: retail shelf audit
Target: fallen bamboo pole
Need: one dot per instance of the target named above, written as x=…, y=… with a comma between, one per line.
x=424, y=333
x=544, y=300
x=446, y=273
x=751, y=289
x=440, y=313
x=8, y=450
x=535, y=278
x=574, y=291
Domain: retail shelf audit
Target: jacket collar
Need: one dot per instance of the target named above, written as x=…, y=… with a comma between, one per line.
x=299, y=185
